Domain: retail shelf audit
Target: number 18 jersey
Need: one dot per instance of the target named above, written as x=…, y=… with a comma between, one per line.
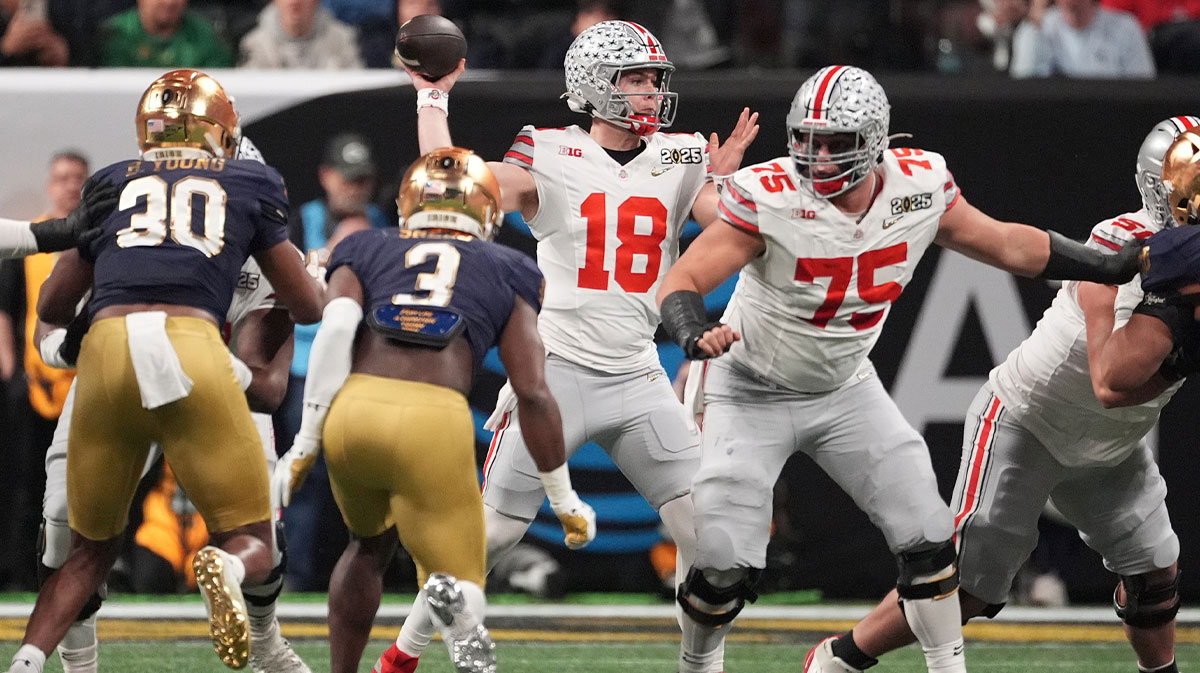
x=811, y=307
x=607, y=233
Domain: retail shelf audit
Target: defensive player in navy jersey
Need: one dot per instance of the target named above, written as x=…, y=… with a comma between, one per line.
x=153, y=366
x=399, y=440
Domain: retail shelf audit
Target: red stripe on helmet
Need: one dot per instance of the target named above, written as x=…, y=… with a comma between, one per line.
x=656, y=52
x=1185, y=122
x=824, y=89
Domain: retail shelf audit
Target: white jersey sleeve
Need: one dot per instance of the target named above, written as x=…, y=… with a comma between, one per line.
x=811, y=307
x=253, y=292
x=1046, y=383
x=607, y=233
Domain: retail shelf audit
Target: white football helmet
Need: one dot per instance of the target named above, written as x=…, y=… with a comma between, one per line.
x=595, y=62
x=1150, y=163
x=838, y=99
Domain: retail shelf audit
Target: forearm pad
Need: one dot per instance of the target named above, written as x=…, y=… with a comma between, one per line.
x=1071, y=260
x=686, y=320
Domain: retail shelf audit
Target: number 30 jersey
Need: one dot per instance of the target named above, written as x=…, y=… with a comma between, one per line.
x=811, y=307
x=607, y=233
x=182, y=229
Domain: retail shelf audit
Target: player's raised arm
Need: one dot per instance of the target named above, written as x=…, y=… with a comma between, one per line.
x=518, y=192
x=723, y=160
x=524, y=359
x=1029, y=251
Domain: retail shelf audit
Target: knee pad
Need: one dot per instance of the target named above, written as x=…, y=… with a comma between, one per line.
x=1148, y=606
x=928, y=573
x=738, y=593
x=54, y=543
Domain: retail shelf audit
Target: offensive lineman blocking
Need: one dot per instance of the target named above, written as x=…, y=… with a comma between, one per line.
x=829, y=237
x=607, y=206
x=1048, y=425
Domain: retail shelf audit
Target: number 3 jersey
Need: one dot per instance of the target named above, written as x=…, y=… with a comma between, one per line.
x=421, y=271
x=607, y=233
x=182, y=229
x=811, y=307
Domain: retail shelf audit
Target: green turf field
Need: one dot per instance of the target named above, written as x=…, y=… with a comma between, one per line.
x=526, y=657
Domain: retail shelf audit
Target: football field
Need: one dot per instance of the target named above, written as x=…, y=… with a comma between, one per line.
x=142, y=637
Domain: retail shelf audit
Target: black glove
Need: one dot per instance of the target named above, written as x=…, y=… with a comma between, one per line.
x=686, y=320
x=1171, y=258
x=1071, y=260
x=81, y=227
x=1178, y=313
x=69, y=349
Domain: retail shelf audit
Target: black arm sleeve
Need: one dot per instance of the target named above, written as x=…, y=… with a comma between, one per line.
x=686, y=320
x=1071, y=260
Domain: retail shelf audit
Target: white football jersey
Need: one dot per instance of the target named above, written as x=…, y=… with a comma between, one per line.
x=810, y=308
x=607, y=233
x=253, y=292
x=1045, y=383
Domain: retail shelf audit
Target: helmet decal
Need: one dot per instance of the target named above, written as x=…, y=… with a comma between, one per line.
x=594, y=64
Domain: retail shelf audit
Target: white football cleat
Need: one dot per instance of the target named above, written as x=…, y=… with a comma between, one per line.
x=270, y=652
x=821, y=659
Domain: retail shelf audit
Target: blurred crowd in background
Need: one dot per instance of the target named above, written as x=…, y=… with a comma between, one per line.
x=1024, y=38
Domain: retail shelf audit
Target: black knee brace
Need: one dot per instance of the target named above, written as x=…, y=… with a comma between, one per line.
x=698, y=585
x=1147, y=606
x=923, y=563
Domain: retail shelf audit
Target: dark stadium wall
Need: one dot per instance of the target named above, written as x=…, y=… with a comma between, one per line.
x=1057, y=154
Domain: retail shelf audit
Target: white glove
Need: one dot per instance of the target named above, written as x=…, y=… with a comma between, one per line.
x=292, y=468
x=577, y=517
x=314, y=263
x=241, y=371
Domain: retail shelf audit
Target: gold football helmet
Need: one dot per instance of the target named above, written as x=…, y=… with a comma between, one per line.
x=187, y=108
x=450, y=188
x=1181, y=177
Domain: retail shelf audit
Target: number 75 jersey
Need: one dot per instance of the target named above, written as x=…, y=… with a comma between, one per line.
x=607, y=233
x=812, y=306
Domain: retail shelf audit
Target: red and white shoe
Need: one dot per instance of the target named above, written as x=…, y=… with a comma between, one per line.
x=821, y=659
x=395, y=661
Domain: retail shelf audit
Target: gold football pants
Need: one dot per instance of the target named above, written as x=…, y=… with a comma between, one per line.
x=403, y=453
x=208, y=437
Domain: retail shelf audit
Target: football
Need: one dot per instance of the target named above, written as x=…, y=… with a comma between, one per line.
x=431, y=45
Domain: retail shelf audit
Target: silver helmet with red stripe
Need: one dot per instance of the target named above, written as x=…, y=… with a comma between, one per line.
x=1150, y=163
x=838, y=128
x=594, y=65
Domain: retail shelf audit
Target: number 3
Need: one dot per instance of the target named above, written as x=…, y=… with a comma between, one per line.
x=440, y=283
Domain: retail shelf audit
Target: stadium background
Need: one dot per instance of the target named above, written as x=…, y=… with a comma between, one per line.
x=1053, y=153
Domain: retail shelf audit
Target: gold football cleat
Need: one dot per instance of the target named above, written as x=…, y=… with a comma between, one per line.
x=227, y=620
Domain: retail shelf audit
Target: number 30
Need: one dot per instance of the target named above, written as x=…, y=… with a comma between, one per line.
x=149, y=227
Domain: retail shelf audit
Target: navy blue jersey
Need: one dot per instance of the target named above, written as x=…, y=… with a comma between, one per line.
x=478, y=280
x=182, y=230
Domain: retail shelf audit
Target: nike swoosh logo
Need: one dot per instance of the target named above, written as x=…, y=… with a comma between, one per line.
x=889, y=222
x=659, y=171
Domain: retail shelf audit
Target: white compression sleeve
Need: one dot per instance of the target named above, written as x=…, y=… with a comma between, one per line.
x=16, y=239
x=329, y=361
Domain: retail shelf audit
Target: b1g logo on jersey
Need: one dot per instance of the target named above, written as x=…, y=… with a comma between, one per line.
x=686, y=155
x=570, y=151
x=907, y=204
x=248, y=281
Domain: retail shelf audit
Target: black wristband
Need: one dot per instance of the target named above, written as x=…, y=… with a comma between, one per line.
x=685, y=320
x=1071, y=260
